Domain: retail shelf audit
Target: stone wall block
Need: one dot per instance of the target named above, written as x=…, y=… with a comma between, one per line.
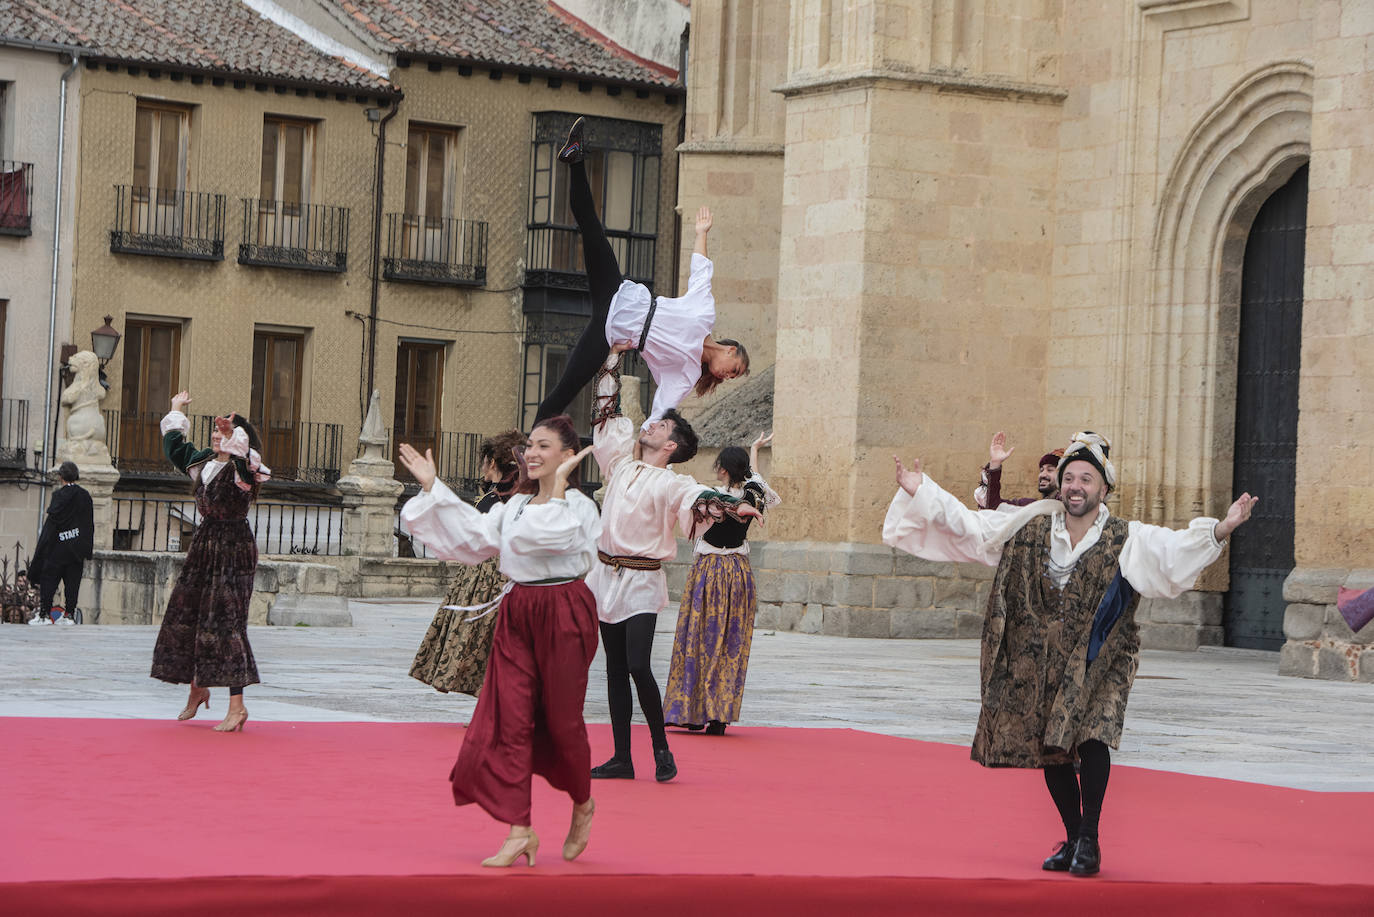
x=1298, y=659
x=956, y=593
x=267, y=578
x=676, y=575
x=790, y=615
x=975, y=571
x=1155, y=635
x=795, y=586
x=1365, y=670
x=872, y=559
x=820, y=588
x=768, y=585
x=870, y=622
x=1303, y=622
x=811, y=620
x=904, y=564
x=1335, y=664
x=1197, y=608
x=1313, y=585
x=835, y=621
x=856, y=589
x=924, y=625
x=766, y=618
x=968, y=624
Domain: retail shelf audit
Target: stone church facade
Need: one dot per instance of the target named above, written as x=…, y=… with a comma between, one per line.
x=936, y=219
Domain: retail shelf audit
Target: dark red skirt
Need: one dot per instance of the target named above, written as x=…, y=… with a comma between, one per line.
x=529, y=715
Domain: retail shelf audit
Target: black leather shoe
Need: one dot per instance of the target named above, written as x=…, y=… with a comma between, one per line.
x=665, y=768
x=575, y=148
x=1087, y=858
x=614, y=769
x=715, y=728
x=1059, y=860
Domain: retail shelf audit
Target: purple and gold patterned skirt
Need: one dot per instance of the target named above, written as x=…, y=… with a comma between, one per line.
x=715, y=627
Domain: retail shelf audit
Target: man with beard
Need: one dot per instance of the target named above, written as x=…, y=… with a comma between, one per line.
x=644, y=501
x=988, y=494
x=1060, y=641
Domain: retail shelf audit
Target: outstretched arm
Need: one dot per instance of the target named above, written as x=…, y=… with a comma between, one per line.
x=1163, y=563
x=703, y=228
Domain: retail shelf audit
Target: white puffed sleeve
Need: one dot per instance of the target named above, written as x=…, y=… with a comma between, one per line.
x=1164, y=563
x=558, y=527
x=933, y=525
x=612, y=443
x=452, y=528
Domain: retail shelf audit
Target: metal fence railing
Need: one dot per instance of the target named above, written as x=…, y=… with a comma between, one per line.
x=16, y=198
x=456, y=456
x=432, y=250
x=14, y=433
x=311, y=237
x=163, y=524
x=175, y=224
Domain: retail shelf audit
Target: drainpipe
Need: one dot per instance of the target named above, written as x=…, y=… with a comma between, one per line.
x=377, y=248
x=48, y=419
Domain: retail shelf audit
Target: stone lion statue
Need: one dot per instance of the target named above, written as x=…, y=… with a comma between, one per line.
x=85, y=440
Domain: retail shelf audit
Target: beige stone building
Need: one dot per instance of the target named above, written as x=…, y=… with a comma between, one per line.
x=1148, y=218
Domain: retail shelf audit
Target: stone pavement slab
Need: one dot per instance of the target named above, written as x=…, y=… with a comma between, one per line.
x=1218, y=713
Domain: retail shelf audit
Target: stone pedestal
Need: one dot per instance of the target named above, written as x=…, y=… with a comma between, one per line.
x=369, y=498
x=1320, y=644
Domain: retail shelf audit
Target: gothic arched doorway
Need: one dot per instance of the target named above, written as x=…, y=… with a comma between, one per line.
x=1266, y=442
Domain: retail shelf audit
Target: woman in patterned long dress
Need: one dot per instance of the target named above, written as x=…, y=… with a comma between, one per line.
x=203, y=640
x=715, y=624
x=453, y=655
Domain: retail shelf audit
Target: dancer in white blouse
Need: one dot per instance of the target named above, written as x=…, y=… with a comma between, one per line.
x=529, y=715
x=1060, y=641
x=672, y=334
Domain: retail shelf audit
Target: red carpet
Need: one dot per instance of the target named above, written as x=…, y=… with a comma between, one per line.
x=149, y=817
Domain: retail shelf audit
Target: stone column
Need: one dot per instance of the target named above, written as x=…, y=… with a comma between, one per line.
x=369, y=492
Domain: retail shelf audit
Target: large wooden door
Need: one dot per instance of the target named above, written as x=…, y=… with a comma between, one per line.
x=1266, y=444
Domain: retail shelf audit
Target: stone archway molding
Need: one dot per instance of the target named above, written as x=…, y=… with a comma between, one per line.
x=1246, y=146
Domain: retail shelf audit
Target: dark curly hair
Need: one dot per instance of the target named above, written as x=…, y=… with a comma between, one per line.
x=684, y=438
x=502, y=451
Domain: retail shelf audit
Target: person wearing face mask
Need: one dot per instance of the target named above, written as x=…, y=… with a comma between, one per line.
x=672, y=335
x=988, y=494
x=1060, y=640
x=715, y=621
x=453, y=654
x=644, y=502
x=528, y=718
x=203, y=640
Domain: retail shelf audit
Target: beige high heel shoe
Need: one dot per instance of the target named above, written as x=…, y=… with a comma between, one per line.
x=513, y=848
x=580, y=831
x=193, y=705
x=232, y=722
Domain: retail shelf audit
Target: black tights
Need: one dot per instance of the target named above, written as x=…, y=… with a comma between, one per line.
x=603, y=279
x=628, y=646
x=1079, y=796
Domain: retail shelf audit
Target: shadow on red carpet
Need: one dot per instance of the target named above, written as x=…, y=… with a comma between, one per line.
x=150, y=817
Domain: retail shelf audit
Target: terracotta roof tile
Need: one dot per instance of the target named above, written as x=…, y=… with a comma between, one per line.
x=523, y=34
x=222, y=36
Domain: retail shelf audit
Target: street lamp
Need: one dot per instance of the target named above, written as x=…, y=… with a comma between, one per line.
x=104, y=340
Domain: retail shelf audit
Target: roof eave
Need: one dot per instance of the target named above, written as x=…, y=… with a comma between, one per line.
x=384, y=90
x=673, y=89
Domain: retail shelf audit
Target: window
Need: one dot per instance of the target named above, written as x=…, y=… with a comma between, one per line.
x=275, y=402
x=288, y=150
x=431, y=191
x=419, y=391
x=161, y=141
x=152, y=360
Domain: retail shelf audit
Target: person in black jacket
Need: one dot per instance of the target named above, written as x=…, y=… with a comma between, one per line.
x=64, y=546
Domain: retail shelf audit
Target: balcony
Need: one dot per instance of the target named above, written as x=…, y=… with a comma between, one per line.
x=441, y=251
x=172, y=224
x=16, y=198
x=554, y=266
x=14, y=433
x=304, y=453
x=455, y=456
x=305, y=237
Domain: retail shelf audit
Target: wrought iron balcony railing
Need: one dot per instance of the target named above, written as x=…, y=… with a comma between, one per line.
x=553, y=256
x=161, y=524
x=173, y=224
x=302, y=452
x=16, y=198
x=455, y=455
x=308, y=237
x=14, y=433
x=428, y=250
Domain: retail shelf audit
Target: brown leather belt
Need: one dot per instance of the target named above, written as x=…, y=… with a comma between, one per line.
x=629, y=563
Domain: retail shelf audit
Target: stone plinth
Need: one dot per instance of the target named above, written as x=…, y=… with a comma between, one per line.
x=1320, y=644
x=369, y=498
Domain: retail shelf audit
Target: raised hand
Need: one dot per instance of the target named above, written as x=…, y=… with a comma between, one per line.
x=909, y=480
x=180, y=400
x=421, y=467
x=703, y=220
x=763, y=440
x=563, y=471
x=1238, y=513
x=998, y=451
x=620, y=347
x=225, y=426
